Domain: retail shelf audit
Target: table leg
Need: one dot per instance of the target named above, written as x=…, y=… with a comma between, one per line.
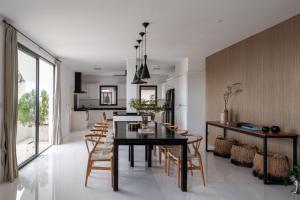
x=295, y=151
x=146, y=152
x=184, y=168
x=224, y=132
x=265, y=146
x=116, y=168
x=131, y=156
x=206, y=138
x=129, y=152
x=149, y=156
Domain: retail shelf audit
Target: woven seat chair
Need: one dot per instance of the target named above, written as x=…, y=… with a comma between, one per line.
x=98, y=151
x=174, y=155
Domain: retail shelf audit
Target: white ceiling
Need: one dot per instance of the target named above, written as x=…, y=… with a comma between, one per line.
x=102, y=32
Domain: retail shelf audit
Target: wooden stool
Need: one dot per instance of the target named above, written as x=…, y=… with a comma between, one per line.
x=223, y=147
x=278, y=166
x=134, y=126
x=243, y=155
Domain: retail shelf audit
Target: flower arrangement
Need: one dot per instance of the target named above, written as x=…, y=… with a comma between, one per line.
x=229, y=92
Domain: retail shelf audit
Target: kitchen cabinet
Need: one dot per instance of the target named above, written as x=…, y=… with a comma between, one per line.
x=79, y=120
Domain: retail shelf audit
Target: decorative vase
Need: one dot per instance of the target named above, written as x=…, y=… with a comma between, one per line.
x=296, y=184
x=224, y=116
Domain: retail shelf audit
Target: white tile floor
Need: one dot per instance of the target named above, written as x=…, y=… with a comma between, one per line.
x=58, y=174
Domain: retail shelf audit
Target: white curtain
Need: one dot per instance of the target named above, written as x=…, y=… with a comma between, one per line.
x=9, y=129
x=57, y=133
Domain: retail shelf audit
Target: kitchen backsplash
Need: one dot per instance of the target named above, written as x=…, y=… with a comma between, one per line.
x=94, y=103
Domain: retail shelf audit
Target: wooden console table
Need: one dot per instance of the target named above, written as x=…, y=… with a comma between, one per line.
x=259, y=134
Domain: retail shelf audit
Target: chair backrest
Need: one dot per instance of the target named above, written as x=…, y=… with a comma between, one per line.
x=181, y=132
x=194, y=141
x=99, y=130
x=91, y=141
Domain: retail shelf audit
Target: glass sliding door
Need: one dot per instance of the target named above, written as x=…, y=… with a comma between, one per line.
x=35, y=105
x=46, y=90
x=26, y=124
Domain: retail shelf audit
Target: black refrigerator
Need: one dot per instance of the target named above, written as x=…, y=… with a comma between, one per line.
x=170, y=106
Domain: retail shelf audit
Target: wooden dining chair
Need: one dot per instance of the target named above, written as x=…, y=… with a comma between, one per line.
x=98, y=152
x=163, y=149
x=174, y=155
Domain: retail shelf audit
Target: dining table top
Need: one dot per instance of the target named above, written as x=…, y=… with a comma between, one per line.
x=157, y=131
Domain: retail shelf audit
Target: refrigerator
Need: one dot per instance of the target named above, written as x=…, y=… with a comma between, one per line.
x=170, y=106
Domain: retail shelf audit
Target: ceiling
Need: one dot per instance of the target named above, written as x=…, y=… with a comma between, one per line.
x=102, y=33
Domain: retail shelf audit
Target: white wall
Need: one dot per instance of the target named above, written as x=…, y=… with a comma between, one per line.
x=189, y=84
x=67, y=89
x=1, y=84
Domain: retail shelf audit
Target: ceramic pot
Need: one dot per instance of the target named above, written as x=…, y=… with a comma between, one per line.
x=224, y=117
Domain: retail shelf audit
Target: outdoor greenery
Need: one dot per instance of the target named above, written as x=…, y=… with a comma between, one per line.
x=26, y=108
x=44, y=107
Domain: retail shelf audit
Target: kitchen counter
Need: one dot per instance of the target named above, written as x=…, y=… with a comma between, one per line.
x=124, y=113
x=106, y=108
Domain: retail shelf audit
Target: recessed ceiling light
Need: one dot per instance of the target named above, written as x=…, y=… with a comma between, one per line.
x=97, y=68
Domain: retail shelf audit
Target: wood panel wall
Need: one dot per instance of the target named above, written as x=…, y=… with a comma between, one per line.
x=268, y=66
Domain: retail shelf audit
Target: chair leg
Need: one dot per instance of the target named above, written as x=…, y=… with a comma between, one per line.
x=168, y=165
x=87, y=172
x=111, y=171
x=202, y=170
x=178, y=172
x=166, y=154
x=154, y=150
x=191, y=165
x=159, y=155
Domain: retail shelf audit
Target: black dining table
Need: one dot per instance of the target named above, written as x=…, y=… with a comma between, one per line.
x=159, y=136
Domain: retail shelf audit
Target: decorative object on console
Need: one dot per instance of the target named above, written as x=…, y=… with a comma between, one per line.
x=275, y=129
x=265, y=129
x=230, y=91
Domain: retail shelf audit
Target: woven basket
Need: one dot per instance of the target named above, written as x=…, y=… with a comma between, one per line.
x=243, y=155
x=278, y=166
x=223, y=146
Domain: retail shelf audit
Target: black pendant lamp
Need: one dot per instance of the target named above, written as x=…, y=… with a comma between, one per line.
x=145, y=72
x=136, y=79
x=140, y=70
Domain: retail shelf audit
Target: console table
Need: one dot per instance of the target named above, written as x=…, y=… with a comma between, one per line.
x=259, y=134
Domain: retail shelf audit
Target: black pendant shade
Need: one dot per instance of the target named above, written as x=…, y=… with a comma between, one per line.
x=145, y=72
x=141, y=68
x=136, y=78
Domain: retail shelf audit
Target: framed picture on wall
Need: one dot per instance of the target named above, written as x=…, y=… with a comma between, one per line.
x=108, y=95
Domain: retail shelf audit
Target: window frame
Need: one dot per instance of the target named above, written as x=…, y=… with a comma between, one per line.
x=26, y=50
x=148, y=86
x=100, y=94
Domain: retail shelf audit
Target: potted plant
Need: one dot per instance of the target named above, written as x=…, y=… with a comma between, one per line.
x=229, y=92
x=144, y=108
x=293, y=177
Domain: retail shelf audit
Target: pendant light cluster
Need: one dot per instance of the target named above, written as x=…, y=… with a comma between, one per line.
x=141, y=67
